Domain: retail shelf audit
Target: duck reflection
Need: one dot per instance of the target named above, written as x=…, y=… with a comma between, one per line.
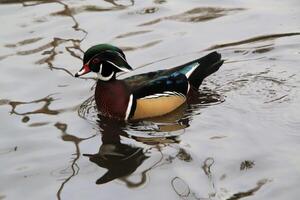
x=118, y=158
x=121, y=159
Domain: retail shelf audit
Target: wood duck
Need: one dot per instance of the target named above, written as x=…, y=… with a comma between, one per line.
x=145, y=95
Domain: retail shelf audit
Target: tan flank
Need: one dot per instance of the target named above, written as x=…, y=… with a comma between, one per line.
x=153, y=107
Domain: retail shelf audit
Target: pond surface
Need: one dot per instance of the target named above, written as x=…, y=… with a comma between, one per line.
x=240, y=137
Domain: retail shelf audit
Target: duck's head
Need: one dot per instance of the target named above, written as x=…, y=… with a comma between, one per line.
x=105, y=60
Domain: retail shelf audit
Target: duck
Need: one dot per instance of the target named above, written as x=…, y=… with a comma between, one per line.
x=146, y=95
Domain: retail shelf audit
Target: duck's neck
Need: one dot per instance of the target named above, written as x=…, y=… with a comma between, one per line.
x=112, y=98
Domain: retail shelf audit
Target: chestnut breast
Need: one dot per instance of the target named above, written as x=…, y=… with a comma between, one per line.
x=112, y=98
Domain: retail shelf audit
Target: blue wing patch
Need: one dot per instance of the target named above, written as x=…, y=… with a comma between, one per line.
x=175, y=82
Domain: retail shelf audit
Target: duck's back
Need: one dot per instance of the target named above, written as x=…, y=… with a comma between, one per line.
x=195, y=71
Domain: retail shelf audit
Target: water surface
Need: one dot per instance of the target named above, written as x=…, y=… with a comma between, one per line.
x=239, y=138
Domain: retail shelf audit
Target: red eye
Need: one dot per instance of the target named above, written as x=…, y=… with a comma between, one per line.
x=96, y=60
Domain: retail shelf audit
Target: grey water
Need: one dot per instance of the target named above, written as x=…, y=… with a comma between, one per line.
x=238, y=139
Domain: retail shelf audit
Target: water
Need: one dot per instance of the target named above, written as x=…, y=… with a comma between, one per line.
x=238, y=139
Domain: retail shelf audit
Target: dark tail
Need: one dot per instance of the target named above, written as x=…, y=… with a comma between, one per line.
x=207, y=66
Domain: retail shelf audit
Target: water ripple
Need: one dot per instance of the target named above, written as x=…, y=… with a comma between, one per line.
x=253, y=39
x=194, y=15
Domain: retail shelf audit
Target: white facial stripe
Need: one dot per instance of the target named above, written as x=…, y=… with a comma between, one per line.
x=100, y=68
x=120, y=68
x=104, y=78
x=129, y=107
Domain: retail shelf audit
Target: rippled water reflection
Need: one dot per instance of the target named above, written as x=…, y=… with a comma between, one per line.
x=237, y=138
